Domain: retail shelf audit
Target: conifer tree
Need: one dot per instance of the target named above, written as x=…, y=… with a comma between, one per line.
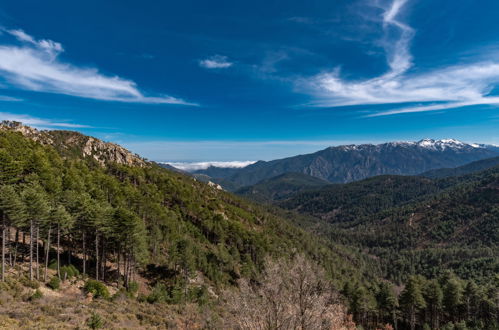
x=37, y=209
x=11, y=212
x=433, y=296
x=452, y=297
x=412, y=299
x=387, y=302
x=57, y=216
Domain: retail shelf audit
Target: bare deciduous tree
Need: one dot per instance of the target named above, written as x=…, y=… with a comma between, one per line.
x=291, y=295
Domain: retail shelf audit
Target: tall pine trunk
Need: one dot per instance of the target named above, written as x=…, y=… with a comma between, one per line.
x=84, y=255
x=47, y=255
x=118, y=261
x=37, y=250
x=97, y=256
x=15, y=248
x=31, y=249
x=3, y=247
x=103, y=261
x=8, y=243
x=58, y=251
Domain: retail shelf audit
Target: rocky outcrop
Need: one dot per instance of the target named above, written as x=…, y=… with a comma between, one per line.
x=75, y=144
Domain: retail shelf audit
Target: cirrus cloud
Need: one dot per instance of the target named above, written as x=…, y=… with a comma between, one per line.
x=444, y=88
x=35, y=65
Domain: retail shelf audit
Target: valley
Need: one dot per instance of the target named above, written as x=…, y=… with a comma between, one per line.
x=156, y=236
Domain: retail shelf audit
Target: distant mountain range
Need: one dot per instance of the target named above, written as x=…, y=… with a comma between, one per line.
x=350, y=163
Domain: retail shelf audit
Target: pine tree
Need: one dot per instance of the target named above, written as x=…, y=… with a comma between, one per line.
x=387, y=303
x=452, y=298
x=471, y=299
x=434, y=296
x=11, y=212
x=58, y=215
x=37, y=209
x=10, y=169
x=132, y=233
x=412, y=299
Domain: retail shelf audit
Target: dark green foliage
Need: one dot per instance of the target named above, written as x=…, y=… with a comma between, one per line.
x=281, y=187
x=69, y=271
x=169, y=228
x=33, y=284
x=37, y=295
x=151, y=216
x=133, y=288
x=443, y=302
x=477, y=166
x=95, y=321
x=158, y=294
x=54, y=283
x=351, y=202
x=415, y=225
x=97, y=289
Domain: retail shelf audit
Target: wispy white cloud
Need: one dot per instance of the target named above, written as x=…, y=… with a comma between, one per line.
x=6, y=98
x=35, y=65
x=194, y=166
x=453, y=86
x=40, y=123
x=436, y=107
x=216, y=62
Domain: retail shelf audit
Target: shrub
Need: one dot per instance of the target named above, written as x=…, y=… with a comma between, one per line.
x=69, y=271
x=54, y=283
x=53, y=265
x=133, y=288
x=159, y=294
x=97, y=289
x=95, y=321
x=199, y=295
x=33, y=284
x=37, y=295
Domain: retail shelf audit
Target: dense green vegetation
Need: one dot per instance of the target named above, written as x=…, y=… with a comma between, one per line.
x=443, y=302
x=281, y=187
x=114, y=221
x=406, y=251
x=351, y=202
x=418, y=229
x=477, y=166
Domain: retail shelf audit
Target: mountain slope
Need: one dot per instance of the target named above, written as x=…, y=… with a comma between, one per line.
x=415, y=224
x=356, y=162
x=76, y=145
x=349, y=202
x=174, y=227
x=281, y=187
x=462, y=170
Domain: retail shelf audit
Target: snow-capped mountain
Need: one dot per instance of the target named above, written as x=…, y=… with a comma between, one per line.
x=355, y=162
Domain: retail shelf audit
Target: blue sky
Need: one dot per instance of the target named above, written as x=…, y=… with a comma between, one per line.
x=247, y=80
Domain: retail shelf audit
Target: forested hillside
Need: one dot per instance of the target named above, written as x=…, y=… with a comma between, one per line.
x=156, y=236
x=142, y=216
x=438, y=237
x=477, y=166
x=395, y=213
x=281, y=187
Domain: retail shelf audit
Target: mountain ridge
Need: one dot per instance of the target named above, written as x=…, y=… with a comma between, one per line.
x=74, y=144
x=347, y=163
